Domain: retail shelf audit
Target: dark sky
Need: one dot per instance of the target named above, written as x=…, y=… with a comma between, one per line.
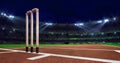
x=64, y=11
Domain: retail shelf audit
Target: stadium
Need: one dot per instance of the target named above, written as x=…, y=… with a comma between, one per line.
x=60, y=31
x=66, y=38
x=100, y=31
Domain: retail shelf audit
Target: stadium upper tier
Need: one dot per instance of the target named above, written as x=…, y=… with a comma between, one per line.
x=84, y=27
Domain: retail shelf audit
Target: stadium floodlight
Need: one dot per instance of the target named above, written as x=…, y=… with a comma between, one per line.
x=114, y=18
x=76, y=24
x=106, y=20
x=49, y=24
x=79, y=24
x=100, y=21
x=2, y=13
x=11, y=16
x=8, y=16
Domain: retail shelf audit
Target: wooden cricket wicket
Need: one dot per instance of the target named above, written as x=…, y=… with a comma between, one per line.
x=30, y=12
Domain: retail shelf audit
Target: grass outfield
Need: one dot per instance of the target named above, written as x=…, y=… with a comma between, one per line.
x=23, y=45
x=112, y=44
x=46, y=45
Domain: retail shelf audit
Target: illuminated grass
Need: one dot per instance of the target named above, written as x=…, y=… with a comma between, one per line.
x=41, y=45
x=112, y=44
x=49, y=45
x=12, y=45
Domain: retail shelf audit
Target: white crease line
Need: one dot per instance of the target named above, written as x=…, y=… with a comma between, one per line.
x=11, y=50
x=5, y=52
x=73, y=57
x=87, y=58
x=87, y=49
x=39, y=57
x=4, y=49
x=118, y=51
x=83, y=58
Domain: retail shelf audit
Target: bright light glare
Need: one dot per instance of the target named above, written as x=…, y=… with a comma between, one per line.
x=106, y=20
x=11, y=16
x=114, y=18
x=100, y=21
x=2, y=13
x=8, y=16
x=79, y=24
x=48, y=24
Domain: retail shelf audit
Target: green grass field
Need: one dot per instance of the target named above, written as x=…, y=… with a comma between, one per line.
x=48, y=45
x=112, y=44
x=23, y=45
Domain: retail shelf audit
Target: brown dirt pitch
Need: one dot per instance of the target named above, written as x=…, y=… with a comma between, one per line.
x=63, y=54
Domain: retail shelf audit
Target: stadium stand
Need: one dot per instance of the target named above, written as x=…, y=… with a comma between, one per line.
x=11, y=32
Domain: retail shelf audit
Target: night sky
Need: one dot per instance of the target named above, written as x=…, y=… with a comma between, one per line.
x=64, y=11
